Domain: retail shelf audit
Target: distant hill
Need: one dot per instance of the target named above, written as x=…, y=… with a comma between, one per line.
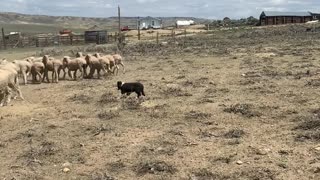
x=46, y=24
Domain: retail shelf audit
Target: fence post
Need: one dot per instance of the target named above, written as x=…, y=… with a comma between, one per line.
x=139, y=36
x=4, y=39
x=157, y=37
x=37, y=41
x=185, y=36
x=20, y=43
x=172, y=34
x=47, y=42
x=208, y=27
x=119, y=19
x=71, y=40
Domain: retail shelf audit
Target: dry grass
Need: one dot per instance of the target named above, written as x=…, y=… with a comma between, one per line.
x=154, y=167
x=239, y=104
x=243, y=109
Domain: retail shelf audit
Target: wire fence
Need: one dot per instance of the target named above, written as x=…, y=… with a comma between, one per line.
x=49, y=40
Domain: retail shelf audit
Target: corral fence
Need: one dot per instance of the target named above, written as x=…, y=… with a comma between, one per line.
x=18, y=40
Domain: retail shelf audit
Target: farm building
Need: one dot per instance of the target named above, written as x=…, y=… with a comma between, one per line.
x=12, y=39
x=316, y=16
x=98, y=37
x=278, y=18
x=149, y=22
x=96, y=34
x=184, y=23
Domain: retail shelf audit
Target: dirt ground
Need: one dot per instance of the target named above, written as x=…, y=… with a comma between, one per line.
x=229, y=105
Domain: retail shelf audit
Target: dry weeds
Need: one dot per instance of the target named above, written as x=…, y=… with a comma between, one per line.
x=213, y=100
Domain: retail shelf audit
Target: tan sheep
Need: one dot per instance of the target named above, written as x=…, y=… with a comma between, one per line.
x=5, y=94
x=94, y=64
x=3, y=61
x=114, y=61
x=33, y=59
x=9, y=76
x=79, y=54
x=54, y=65
x=118, y=61
x=106, y=62
x=81, y=57
x=37, y=69
x=74, y=65
x=24, y=69
x=11, y=67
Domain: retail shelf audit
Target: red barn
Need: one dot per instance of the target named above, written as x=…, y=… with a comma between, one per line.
x=278, y=18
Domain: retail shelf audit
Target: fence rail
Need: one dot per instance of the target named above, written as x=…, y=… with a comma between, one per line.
x=45, y=40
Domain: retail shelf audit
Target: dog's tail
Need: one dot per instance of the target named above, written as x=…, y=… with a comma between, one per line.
x=142, y=92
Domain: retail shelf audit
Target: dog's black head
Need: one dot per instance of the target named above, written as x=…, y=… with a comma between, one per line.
x=119, y=84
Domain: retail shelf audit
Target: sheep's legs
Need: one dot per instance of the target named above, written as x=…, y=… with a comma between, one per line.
x=98, y=71
x=56, y=75
x=124, y=69
x=24, y=74
x=8, y=97
x=70, y=75
x=64, y=73
x=46, y=76
x=5, y=97
x=2, y=97
x=40, y=77
x=81, y=75
x=84, y=67
x=17, y=89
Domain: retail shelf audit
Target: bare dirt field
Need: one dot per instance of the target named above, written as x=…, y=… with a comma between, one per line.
x=238, y=104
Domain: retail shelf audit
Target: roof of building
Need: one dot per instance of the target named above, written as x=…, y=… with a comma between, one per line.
x=278, y=13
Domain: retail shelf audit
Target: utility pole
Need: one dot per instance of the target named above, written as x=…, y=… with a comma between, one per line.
x=139, y=28
x=157, y=38
x=4, y=39
x=119, y=13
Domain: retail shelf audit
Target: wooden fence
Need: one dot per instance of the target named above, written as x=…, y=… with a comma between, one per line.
x=46, y=40
x=49, y=40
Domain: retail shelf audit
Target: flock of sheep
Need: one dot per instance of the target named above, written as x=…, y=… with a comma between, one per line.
x=39, y=68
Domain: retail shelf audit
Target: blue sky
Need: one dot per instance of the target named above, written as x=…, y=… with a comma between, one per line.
x=213, y=9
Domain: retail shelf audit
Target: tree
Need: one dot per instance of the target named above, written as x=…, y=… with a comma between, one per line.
x=252, y=21
x=226, y=21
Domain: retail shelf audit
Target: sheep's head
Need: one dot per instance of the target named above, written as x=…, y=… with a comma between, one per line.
x=97, y=55
x=29, y=59
x=65, y=60
x=45, y=59
x=88, y=58
x=79, y=54
x=3, y=61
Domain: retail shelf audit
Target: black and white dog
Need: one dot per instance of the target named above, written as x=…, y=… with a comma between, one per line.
x=128, y=88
